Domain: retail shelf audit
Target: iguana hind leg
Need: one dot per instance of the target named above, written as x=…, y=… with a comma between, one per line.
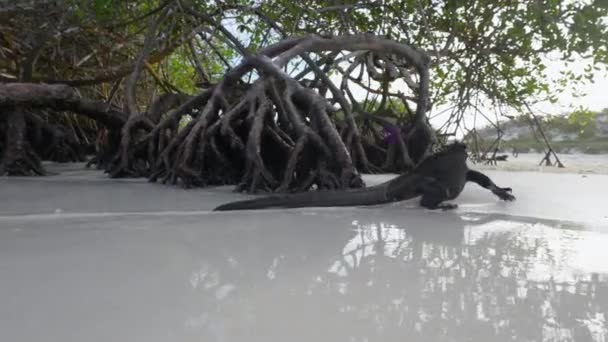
x=433, y=195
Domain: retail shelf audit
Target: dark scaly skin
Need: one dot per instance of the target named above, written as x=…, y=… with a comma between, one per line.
x=438, y=178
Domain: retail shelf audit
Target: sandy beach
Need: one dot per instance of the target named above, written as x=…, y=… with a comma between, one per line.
x=87, y=258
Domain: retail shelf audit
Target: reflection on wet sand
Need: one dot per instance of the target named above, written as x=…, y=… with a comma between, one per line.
x=360, y=274
x=465, y=278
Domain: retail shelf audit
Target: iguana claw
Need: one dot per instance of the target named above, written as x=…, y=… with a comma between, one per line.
x=504, y=194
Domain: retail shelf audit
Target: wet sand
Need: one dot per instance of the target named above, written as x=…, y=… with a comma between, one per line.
x=86, y=258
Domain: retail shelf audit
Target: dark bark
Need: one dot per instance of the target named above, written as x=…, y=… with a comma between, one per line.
x=98, y=111
x=18, y=158
x=21, y=155
x=33, y=94
x=55, y=142
x=276, y=134
x=59, y=97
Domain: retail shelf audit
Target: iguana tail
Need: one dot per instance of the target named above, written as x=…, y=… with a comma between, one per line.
x=329, y=198
x=397, y=189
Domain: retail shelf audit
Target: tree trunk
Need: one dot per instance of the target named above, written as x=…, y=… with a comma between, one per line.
x=18, y=158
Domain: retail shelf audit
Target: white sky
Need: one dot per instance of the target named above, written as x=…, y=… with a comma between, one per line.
x=595, y=98
x=595, y=95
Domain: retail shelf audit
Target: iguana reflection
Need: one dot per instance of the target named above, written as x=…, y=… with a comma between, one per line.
x=462, y=279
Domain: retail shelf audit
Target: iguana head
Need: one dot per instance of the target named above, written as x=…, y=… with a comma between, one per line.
x=459, y=144
x=456, y=145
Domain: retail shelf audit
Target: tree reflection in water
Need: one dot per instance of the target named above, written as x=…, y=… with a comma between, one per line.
x=466, y=278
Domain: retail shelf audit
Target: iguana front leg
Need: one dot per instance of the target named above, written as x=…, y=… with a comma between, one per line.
x=484, y=181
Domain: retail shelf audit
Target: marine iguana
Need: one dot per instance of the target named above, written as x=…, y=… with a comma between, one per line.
x=437, y=178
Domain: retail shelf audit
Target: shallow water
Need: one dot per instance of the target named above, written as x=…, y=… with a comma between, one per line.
x=311, y=275
x=155, y=265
